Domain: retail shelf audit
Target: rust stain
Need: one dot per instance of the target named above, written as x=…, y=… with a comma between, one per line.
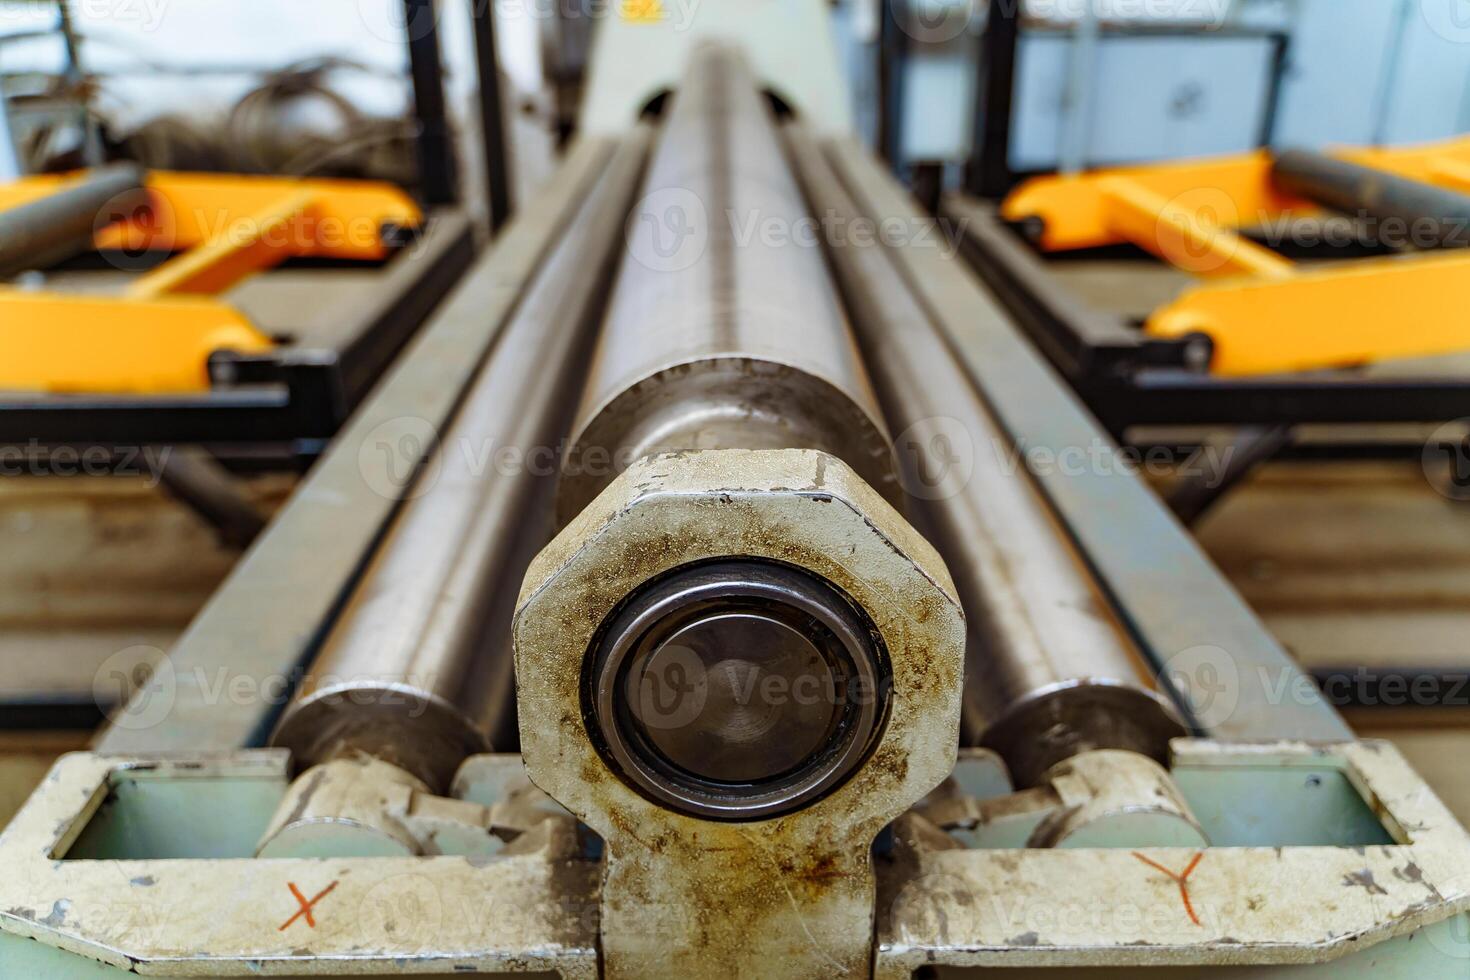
x=1364, y=880
x=1181, y=879
x=789, y=888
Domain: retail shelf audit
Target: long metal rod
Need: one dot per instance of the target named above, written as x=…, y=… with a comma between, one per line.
x=719, y=336
x=1049, y=672
x=56, y=227
x=309, y=559
x=1433, y=217
x=1177, y=605
x=419, y=665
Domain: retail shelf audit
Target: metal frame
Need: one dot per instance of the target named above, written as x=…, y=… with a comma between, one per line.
x=439, y=170
x=893, y=49
x=1331, y=905
x=1263, y=313
x=295, y=398
x=156, y=337
x=1128, y=378
x=492, y=120
x=989, y=173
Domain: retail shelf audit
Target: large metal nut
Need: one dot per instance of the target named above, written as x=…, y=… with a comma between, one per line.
x=686, y=892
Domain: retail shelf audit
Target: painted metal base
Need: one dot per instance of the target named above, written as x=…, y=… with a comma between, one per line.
x=1327, y=860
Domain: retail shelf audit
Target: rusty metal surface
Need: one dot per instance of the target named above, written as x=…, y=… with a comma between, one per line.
x=792, y=896
x=938, y=904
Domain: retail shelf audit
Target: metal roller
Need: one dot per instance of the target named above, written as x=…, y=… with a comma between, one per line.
x=1049, y=673
x=718, y=336
x=418, y=668
x=63, y=224
x=1440, y=216
x=729, y=339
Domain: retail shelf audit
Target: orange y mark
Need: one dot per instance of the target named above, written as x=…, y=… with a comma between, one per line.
x=306, y=905
x=1181, y=879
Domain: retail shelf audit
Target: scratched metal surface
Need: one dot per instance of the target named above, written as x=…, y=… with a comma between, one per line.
x=688, y=897
x=526, y=912
x=1238, y=906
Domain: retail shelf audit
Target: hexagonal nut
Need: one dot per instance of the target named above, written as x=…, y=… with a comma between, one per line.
x=798, y=507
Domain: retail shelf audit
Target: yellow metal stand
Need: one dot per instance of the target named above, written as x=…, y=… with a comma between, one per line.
x=1266, y=315
x=158, y=335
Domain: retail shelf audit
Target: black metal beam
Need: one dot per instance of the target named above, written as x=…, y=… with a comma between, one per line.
x=893, y=50
x=438, y=174
x=492, y=116
x=989, y=173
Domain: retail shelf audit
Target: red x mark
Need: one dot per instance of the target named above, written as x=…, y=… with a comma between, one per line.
x=1181, y=879
x=306, y=905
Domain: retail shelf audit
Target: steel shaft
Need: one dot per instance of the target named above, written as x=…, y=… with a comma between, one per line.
x=1433, y=216
x=724, y=330
x=1049, y=672
x=418, y=670
x=60, y=225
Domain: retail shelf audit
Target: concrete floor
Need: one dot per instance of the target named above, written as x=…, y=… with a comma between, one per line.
x=1361, y=564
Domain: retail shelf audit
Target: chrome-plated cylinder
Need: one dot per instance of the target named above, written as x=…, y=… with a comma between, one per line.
x=418, y=668
x=1050, y=673
x=724, y=330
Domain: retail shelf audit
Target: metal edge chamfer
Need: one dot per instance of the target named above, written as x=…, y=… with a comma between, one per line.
x=797, y=509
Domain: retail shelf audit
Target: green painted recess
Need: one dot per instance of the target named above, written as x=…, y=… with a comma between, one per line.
x=147, y=818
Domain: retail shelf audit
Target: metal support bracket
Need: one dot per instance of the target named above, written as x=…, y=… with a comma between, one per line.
x=1266, y=315
x=158, y=336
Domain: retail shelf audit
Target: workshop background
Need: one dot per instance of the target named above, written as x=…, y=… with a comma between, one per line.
x=1341, y=533
x=1356, y=562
